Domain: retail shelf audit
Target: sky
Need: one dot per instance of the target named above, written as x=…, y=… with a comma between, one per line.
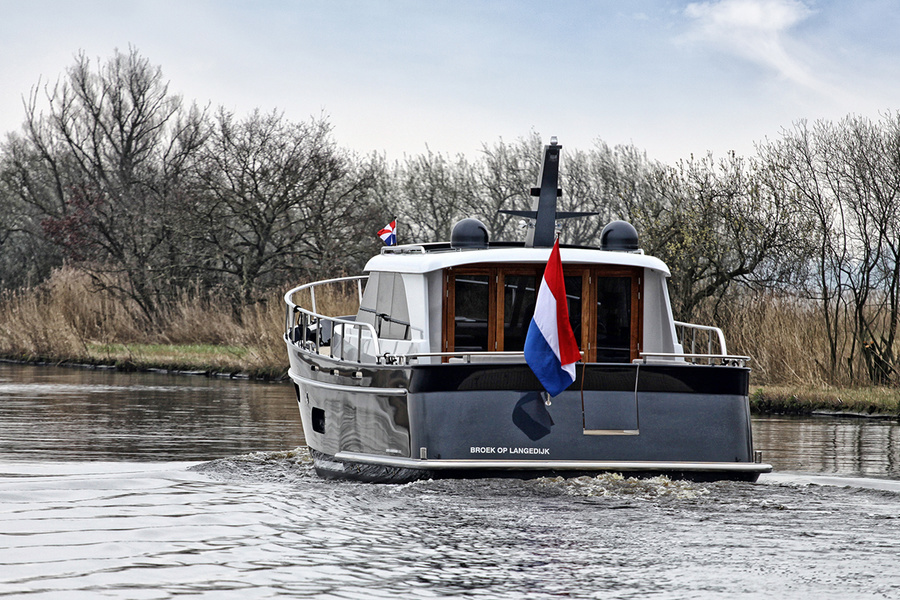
x=402, y=77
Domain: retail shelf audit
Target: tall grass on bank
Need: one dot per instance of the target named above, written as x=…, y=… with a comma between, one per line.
x=67, y=319
x=783, y=335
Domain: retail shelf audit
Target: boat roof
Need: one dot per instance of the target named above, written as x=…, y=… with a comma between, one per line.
x=415, y=258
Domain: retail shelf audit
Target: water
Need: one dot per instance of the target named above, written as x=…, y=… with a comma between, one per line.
x=149, y=486
x=78, y=414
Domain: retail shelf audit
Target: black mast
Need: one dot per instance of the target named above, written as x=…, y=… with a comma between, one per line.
x=544, y=213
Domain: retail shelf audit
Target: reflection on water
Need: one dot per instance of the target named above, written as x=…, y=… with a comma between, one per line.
x=840, y=445
x=90, y=507
x=51, y=413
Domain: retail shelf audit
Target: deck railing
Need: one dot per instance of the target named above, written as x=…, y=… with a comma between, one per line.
x=315, y=332
x=699, y=343
x=701, y=338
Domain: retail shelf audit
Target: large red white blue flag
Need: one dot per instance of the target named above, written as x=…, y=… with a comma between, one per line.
x=389, y=234
x=550, y=347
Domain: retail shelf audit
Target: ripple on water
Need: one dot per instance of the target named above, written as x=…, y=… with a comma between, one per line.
x=263, y=525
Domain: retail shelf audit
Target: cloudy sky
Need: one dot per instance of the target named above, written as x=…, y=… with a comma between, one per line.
x=673, y=78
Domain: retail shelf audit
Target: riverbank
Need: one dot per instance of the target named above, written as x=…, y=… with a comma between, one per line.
x=871, y=402
x=217, y=360
x=211, y=360
x=68, y=321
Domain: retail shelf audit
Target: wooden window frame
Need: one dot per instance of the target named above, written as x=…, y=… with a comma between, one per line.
x=496, y=301
x=448, y=337
x=589, y=317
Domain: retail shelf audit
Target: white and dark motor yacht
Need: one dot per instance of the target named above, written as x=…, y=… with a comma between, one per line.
x=428, y=379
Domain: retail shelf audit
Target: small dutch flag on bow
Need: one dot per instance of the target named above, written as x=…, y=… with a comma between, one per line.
x=389, y=234
x=550, y=347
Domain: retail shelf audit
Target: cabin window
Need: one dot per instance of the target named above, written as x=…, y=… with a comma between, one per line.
x=613, y=340
x=519, y=295
x=573, y=303
x=490, y=308
x=384, y=306
x=471, y=313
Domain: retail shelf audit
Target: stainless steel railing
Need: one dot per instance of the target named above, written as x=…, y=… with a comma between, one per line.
x=688, y=334
x=317, y=333
x=314, y=332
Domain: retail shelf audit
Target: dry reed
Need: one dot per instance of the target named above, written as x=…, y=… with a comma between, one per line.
x=783, y=336
x=68, y=319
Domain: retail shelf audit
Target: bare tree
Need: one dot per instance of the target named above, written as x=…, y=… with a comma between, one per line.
x=103, y=168
x=613, y=182
x=501, y=179
x=278, y=200
x=715, y=225
x=800, y=163
x=26, y=256
x=845, y=180
x=868, y=168
x=432, y=194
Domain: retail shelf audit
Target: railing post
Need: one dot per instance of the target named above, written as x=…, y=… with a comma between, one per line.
x=318, y=333
x=307, y=318
x=331, y=341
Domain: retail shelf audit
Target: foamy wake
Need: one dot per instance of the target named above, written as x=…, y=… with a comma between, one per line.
x=617, y=486
x=277, y=465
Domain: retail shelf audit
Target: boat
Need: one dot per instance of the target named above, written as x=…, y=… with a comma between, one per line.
x=429, y=378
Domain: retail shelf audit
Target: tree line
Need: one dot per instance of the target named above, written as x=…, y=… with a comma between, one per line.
x=153, y=197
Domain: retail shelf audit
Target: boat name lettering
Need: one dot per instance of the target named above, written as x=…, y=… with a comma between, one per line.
x=505, y=450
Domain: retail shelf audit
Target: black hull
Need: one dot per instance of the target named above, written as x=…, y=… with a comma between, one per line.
x=395, y=424
x=330, y=467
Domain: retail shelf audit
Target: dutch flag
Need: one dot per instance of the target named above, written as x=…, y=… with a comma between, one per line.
x=389, y=234
x=550, y=347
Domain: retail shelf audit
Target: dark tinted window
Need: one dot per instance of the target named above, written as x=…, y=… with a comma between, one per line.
x=471, y=311
x=613, y=319
x=519, y=296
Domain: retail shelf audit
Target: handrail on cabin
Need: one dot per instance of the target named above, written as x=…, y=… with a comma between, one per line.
x=739, y=361
x=723, y=348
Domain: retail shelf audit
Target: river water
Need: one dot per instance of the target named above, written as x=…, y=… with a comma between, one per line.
x=118, y=485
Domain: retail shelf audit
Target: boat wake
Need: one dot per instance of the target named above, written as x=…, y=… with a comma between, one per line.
x=844, y=481
x=282, y=466
x=615, y=485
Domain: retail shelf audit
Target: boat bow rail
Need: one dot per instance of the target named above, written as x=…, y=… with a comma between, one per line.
x=312, y=331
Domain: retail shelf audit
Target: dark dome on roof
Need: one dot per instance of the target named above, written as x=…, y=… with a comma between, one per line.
x=619, y=236
x=469, y=233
